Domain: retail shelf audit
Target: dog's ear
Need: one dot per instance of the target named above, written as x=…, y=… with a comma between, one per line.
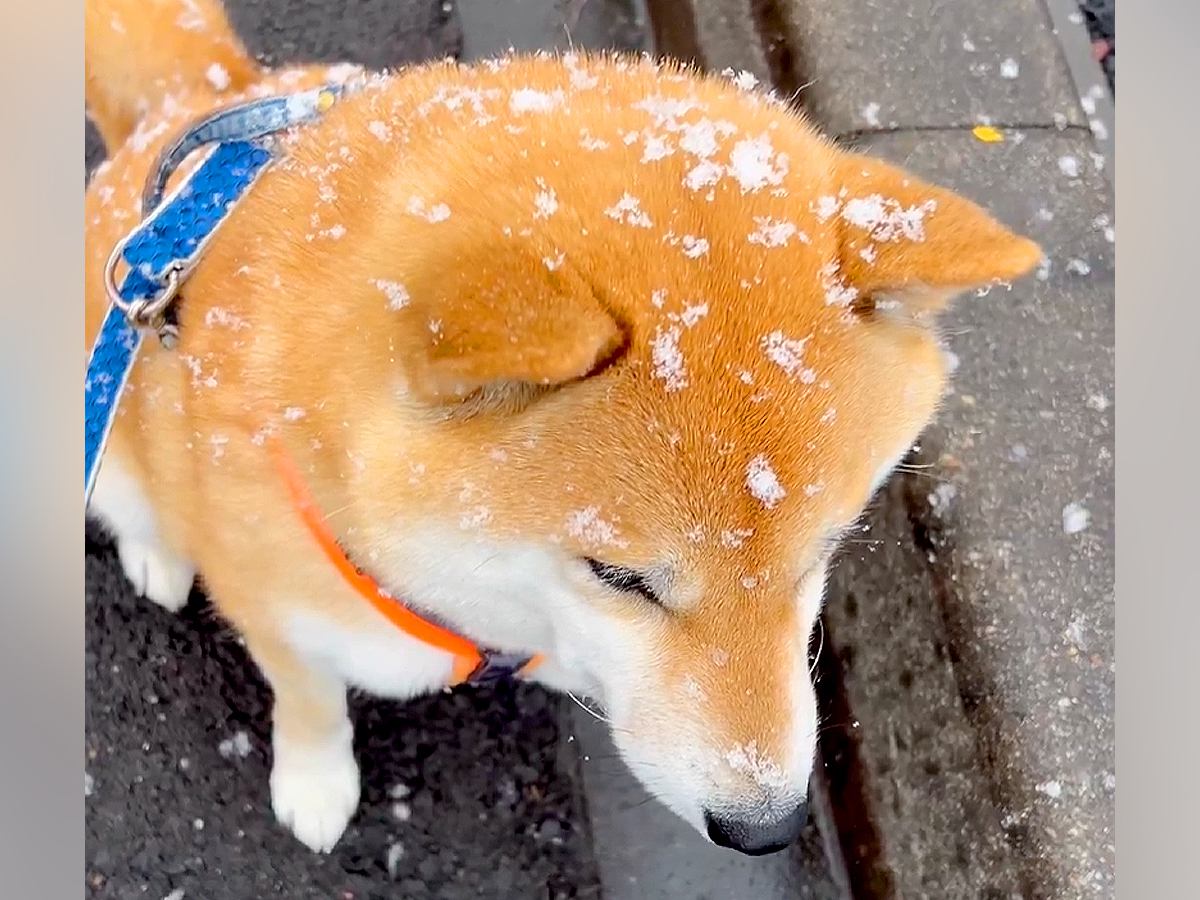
x=907, y=243
x=502, y=320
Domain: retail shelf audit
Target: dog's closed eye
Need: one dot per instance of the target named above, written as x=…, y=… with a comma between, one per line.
x=622, y=579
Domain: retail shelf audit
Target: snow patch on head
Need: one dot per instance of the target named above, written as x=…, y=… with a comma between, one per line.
x=527, y=100
x=588, y=142
x=734, y=538
x=693, y=313
x=744, y=79
x=475, y=518
x=694, y=247
x=545, y=202
x=703, y=175
x=439, y=212
x=668, y=359
x=192, y=18
x=380, y=130
x=628, y=211
x=703, y=138
x=826, y=207
x=775, y=232
x=788, y=354
x=656, y=148
x=756, y=164
x=581, y=79
x=837, y=292
x=667, y=110
x=763, y=483
x=143, y=135
x=589, y=526
x=219, y=316
x=886, y=219
x=218, y=76
x=396, y=293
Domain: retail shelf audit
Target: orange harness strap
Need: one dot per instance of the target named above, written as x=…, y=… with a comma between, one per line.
x=468, y=658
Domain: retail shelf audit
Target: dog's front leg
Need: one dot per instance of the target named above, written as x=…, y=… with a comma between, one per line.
x=314, y=779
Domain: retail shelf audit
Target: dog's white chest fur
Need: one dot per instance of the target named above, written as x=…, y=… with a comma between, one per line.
x=494, y=590
x=378, y=658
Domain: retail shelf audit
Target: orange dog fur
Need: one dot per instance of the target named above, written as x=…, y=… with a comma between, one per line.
x=507, y=318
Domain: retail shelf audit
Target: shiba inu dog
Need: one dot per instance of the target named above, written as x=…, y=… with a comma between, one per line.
x=588, y=357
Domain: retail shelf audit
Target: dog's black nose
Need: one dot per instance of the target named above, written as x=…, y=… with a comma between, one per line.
x=756, y=837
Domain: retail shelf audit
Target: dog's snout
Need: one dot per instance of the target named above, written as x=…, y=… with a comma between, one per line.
x=756, y=837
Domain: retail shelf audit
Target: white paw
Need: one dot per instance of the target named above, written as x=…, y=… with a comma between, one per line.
x=315, y=789
x=156, y=575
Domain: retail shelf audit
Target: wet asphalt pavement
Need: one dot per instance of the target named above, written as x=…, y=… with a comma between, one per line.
x=465, y=795
x=474, y=794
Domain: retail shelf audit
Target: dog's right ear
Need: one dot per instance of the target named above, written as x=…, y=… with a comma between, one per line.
x=915, y=244
x=500, y=320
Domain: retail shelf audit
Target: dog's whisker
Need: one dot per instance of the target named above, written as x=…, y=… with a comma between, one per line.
x=820, y=646
x=327, y=516
x=588, y=709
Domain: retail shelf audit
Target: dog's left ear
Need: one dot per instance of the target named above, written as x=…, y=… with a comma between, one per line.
x=503, y=320
x=915, y=245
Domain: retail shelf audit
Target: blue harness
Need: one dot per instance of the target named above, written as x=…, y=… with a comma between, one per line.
x=164, y=249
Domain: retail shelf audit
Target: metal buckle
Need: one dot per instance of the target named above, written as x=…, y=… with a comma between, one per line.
x=495, y=667
x=241, y=121
x=148, y=313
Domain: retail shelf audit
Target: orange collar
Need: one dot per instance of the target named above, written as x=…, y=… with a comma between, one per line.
x=472, y=664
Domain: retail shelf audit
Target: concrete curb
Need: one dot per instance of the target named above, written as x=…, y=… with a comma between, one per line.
x=1095, y=97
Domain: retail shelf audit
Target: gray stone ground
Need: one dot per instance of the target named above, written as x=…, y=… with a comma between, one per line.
x=976, y=635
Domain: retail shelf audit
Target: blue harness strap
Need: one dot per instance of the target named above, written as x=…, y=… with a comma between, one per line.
x=164, y=248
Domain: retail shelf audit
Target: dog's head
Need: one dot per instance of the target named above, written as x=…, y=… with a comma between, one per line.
x=641, y=347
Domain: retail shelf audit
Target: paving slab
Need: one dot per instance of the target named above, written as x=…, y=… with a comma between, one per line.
x=717, y=34
x=377, y=34
x=894, y=64
x=974, y=631
x=492, y=27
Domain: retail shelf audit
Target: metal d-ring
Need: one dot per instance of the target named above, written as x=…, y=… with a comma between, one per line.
x=145, y=312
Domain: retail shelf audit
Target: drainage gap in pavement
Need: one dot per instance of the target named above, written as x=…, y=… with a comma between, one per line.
x=779, y=46
x=976, y=689
x=863, y=870
x=673, y=27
